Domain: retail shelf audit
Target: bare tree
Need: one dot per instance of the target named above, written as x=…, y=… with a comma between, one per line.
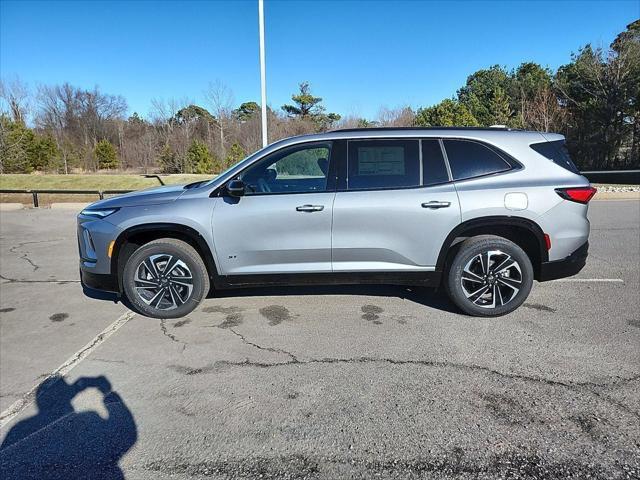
x=396, y=117
x=15, y=94
x=543, y=112
x=79, y=117
x=220, y=99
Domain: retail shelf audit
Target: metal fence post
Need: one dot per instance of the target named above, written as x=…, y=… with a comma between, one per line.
x=35, y=199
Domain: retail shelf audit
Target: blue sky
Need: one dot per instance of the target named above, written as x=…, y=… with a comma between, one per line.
x=358, y=55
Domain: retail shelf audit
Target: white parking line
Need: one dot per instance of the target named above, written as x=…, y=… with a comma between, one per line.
x=589, y=280
x=16, y=407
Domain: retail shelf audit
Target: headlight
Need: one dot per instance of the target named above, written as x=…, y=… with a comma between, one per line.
x=98, y=213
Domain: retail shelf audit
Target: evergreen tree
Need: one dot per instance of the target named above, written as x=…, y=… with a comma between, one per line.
x=307, y=107
x=246, y=111
x=16, y=146
x=234, y=155
x=481, y=97
x=499, y=109
x=167, y=160
x=44, y=153
x=199, y=159
x=106, y=155
x=448, y=113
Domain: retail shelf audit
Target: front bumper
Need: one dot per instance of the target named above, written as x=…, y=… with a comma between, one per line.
x=566, y=267
x=97, y=281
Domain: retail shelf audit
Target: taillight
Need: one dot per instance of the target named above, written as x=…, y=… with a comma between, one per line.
x=577, y=194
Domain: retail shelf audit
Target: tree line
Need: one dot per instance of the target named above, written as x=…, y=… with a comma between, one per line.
x=594, y=101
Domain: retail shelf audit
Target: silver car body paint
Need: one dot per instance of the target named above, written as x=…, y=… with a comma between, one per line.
x=374, y=230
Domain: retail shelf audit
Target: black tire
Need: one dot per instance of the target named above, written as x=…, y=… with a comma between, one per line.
x=177, y=299
x=494, y=294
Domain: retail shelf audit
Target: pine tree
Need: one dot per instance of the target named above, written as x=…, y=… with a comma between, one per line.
x=199, y=159
x=105, y=154
x=234, y=155
x=167, y=160
x=499, y=109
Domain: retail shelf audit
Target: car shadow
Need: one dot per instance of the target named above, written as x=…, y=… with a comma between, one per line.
x=429, y=297
x=61, y=443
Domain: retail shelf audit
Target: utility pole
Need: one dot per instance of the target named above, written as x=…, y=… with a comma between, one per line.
x=263, y=85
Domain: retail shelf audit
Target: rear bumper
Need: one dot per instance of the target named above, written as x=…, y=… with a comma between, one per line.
x=566, y=267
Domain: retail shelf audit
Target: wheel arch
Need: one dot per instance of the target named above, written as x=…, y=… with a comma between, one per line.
x=523, y=232
x=133, y=237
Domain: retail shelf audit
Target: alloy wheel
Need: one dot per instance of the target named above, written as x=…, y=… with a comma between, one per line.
x=491, y=279
x=163, y=281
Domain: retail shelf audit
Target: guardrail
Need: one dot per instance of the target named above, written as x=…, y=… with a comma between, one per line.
x=621, y=177
x=35, y=193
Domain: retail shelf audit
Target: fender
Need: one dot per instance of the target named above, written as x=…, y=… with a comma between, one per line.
x=171, y=229
x=489, y=224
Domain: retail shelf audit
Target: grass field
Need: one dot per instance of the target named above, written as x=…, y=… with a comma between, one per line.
x=90, y=182
x=80, y=182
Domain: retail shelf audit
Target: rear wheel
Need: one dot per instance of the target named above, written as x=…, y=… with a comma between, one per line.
x=165, y=278
x=489, y=276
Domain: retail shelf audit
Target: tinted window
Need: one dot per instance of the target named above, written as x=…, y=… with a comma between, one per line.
x=471, y=159
x=298, y=170
x=557, y=153
x=434, y=170
x=383, y=164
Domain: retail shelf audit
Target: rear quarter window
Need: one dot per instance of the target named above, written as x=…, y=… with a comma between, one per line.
x=469, y=159
x=556, y=152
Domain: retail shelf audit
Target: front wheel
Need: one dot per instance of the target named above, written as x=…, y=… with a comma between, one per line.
x=165, y=278
x=489, y=276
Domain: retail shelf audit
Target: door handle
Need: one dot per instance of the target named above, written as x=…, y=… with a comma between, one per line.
x=435, y=204
x=310, y=208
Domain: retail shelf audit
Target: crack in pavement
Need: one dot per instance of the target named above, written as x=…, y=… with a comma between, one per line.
x=25, y=256
x=171, y=336
x=573, y=386
x=578, y=387
x=293, y=358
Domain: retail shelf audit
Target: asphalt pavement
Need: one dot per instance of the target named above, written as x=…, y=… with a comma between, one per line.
x=336, y=382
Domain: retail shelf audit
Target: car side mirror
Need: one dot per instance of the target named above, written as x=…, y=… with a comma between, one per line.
x=235, y=188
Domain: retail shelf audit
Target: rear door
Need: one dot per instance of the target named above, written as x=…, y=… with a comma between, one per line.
x=283, y=222
x=394, y=207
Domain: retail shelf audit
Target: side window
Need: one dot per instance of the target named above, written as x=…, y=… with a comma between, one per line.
x=434, y=170
x=383, y=164
x=293, y=170
x=556, y=152
x=469, y=159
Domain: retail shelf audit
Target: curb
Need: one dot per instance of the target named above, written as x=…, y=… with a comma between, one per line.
x=68, y=206
x=617, y=196
x=9, y=207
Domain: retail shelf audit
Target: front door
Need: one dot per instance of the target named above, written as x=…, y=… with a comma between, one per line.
x=395, y=208
x=283, y=222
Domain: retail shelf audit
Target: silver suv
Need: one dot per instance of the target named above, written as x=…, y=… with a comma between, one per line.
x=480, y=211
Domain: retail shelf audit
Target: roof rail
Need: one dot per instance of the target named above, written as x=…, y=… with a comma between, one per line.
x=494, y=127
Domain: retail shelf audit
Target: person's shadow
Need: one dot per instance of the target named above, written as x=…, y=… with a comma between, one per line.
x=60, y=443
